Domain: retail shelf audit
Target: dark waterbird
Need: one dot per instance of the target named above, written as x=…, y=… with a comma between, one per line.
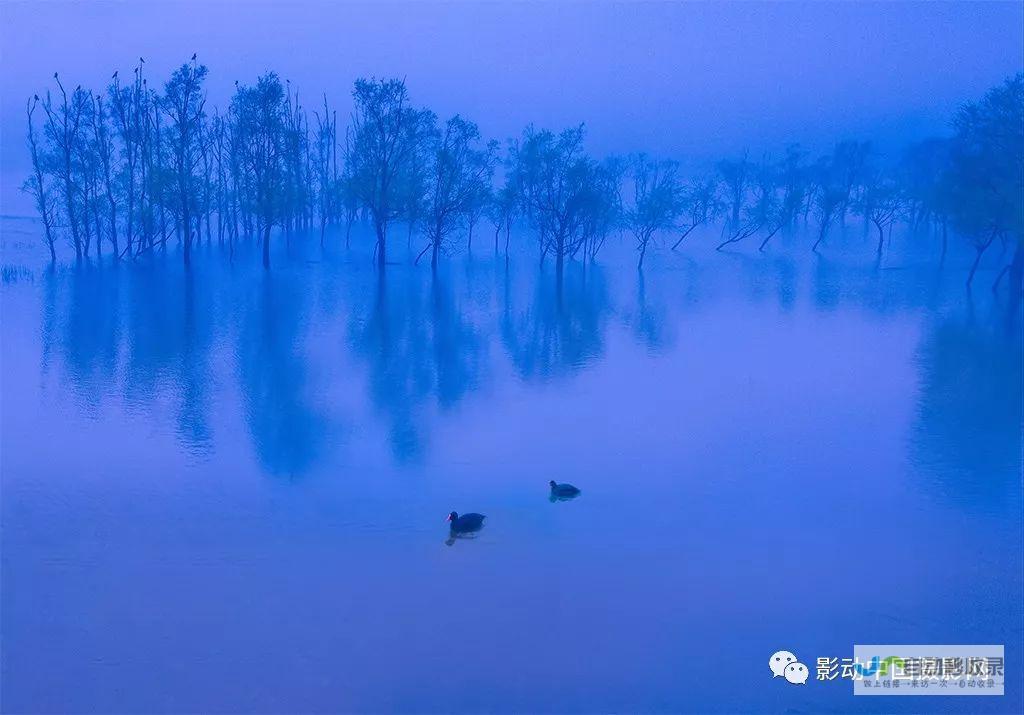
x=465, y=524
x=563, y=491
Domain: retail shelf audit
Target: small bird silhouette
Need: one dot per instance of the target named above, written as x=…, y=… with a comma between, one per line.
x=563, y=491
x=36, y=97
x=55, y=75
x=466, y=523
x=194, y=56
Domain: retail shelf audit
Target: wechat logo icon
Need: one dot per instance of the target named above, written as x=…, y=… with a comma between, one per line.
x=785, y=665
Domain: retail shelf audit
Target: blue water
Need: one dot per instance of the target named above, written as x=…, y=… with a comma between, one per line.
x=227, y=491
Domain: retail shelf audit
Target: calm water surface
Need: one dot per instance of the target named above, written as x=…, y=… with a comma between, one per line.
x=226, y=491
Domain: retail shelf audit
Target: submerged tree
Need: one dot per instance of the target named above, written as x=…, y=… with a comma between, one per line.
x=793, y=178
x=985, y=182
x=764, y=213
x=139, y=166
x=325, y=145
x=701, y=205
x=881, y=203
x=386, y=133
x=104, y=150
x=505, y=206
x=63, y=130
x=259, y=116
x=849, y=167
x=830, y=194
x=570, y=199
x=458, y=174
x=922, y=178
x=735, y=175
x=183, y=103
x=656, y=200
x=36, y=184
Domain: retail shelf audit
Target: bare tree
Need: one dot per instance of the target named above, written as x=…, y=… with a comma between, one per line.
x=183, y=103
x=985, y=184
x=701, y=205
x=567, y=195
x=105, y=152
x=327, y=187
x=735, y=175
x=459, y=171
x=386, y=132
x=37, y=184
x=764, y=213
x=656, y=200
x=63, y=131
x=828, y=198
x=881, y=203
x=259, y=115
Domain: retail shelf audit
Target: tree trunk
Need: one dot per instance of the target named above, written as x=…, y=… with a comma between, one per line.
x=685, y=234
x=187, y=221
x=1015, y=269
x=266, y=247
x=381, y=244
x=821, y=236
x=977, y=259
x=769, y=237
x=113, y=226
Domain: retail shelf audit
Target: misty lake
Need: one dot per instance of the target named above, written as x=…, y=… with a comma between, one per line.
x=227, y=490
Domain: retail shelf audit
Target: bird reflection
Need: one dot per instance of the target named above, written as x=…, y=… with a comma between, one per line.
x=453, y=537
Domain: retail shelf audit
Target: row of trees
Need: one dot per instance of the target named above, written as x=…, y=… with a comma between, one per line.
x=134, y=167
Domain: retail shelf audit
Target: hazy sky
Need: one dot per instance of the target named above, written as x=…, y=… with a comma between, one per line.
x=681, y=79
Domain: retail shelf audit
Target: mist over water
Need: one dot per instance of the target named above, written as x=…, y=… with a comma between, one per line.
x=227, y=490
x=242, y=384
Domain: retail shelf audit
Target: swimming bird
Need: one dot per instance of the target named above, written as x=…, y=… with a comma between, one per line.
x=465, y=524
x=563, y=490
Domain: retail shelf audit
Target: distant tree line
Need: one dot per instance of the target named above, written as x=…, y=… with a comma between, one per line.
x=132, y=168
